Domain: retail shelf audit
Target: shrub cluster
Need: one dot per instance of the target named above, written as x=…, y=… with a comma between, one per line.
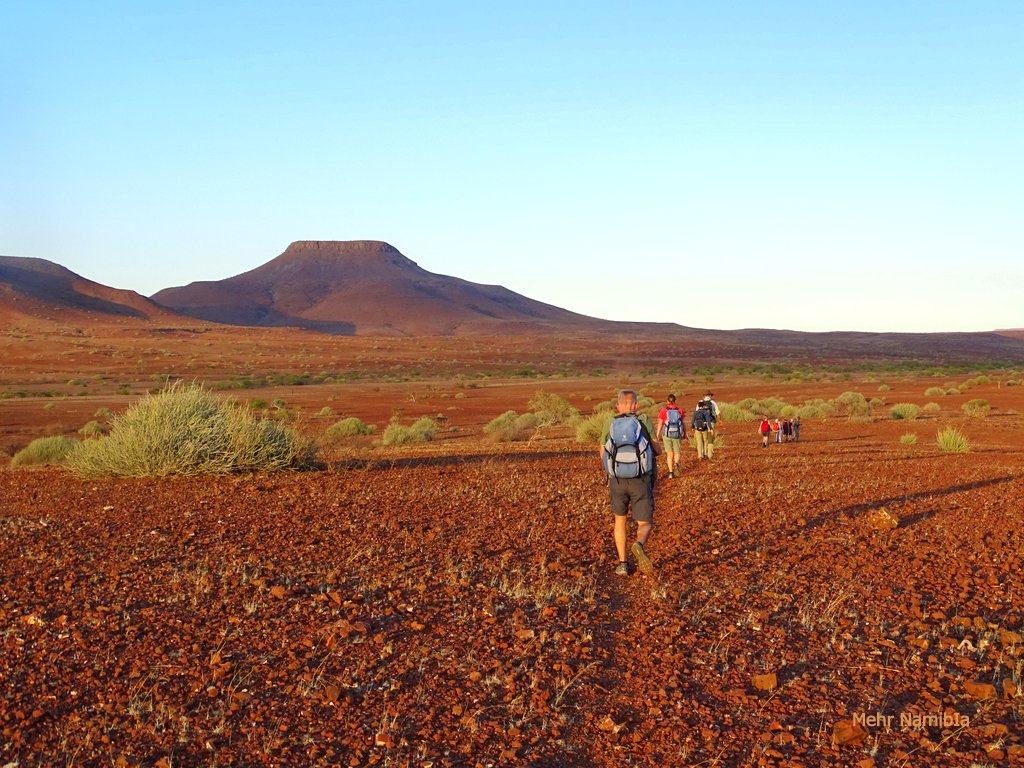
x=44, y=450
x=420, y=431
x=550, y=409
x=591, y=430
x=952, y=440
x=184, y=430
x=976, y=407
x=907, y=411
x=511, y=426
x=350, y=427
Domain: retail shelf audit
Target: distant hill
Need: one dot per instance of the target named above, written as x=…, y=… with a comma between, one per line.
x=39, y=289
x=362, y=287
x=368, y=288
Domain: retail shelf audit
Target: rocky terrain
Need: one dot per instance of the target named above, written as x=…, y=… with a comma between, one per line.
x=848, y=600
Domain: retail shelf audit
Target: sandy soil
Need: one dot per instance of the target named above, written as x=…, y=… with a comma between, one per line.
x=847, y=600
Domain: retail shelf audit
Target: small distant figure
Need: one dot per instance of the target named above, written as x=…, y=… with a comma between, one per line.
x=787, y=430
x=777, y=430
x=628, y=454
x=672, y=430
x=703, y=424
x=765, y=429
x=796, y=428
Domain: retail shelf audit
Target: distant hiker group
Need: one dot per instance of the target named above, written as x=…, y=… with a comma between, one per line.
x=779, y=430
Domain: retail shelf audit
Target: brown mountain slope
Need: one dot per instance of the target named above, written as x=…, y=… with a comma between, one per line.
x=363, y=287
x=41, y=290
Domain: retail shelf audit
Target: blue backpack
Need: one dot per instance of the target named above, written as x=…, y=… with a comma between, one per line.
x=674, y=424
x=628, y=452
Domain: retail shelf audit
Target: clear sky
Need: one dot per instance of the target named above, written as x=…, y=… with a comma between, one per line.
x=847, y=165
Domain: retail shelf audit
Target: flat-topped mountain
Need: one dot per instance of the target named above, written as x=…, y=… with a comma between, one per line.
x=40, y=289
x=362, y=287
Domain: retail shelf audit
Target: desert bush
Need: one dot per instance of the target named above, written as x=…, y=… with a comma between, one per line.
x=591, y=429
x=512, y=426
x=185, y=430
x=102, y=413
x=934, y=392
x=552, y=409
x=907, y=411
x=731, y=412
x=952, y=391
x=1013, y=382
x=325, y=412
x=952, y=440
x=876, y=402
x=420, y=431
x=44, y=450
x=350, y=427
x=884, y=387
x=976, y=407
x=93, y=429
x=816, y=409
x=909, y=439
x=931, y=408
x=852, y=404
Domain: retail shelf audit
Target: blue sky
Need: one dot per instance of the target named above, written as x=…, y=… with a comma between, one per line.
x=803, y=165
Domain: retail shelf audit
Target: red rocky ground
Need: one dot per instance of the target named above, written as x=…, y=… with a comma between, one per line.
x=456, y=607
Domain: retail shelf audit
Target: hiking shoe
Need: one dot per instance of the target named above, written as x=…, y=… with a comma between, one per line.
x=671, y=475
x=643, y=562
x=622, y=570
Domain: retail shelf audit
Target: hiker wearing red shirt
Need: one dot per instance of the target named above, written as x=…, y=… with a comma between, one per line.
x=672, y=431
x=765, y=429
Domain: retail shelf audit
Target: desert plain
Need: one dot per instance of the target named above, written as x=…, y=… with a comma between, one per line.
x=849, y=600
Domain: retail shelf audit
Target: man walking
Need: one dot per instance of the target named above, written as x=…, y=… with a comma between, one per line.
x=628, y=456
x=703, y=429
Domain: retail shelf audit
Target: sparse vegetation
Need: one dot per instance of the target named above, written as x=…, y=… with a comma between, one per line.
x=44, y=450
x=977, y=407
x=931, y=408
x=347, y=428
x=93, y=429
x=907, y=411
x=511, y=426
x=952, y=440
x=908, y=439
x=185, y=430
x=590, y=430
x=551, y=409
x=934, y=392
x=420, y=431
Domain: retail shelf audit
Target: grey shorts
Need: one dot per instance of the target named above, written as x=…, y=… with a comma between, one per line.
x=634, y=494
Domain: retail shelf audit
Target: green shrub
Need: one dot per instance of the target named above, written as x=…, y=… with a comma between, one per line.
x=931, y=408
x=512, y=426
x=816, y=409
x=876, y=402
x=552, y=409
x=590, y=430
x=184, y=430
x=325, y=412
x=884, y=388
x=102, y=413
x=852, y=404
x=909, y=439
x=93, y=429
x=907, y=411
x=934, y=392
x=976, y=407
x=420, y=431
x=44, y=450
x=729, y=412
x=952, y=440
x=952, y=391
x=350, y=427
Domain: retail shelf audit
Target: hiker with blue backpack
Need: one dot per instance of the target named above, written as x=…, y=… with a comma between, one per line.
x=672, y=430
x=628, y=455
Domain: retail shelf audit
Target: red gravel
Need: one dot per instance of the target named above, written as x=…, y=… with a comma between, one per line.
x=461, y=610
